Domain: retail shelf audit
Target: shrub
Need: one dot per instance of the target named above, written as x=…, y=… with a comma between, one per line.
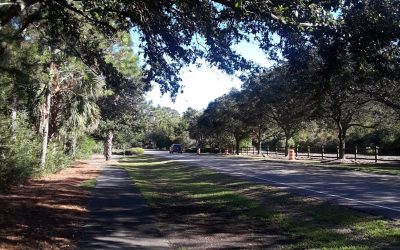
x=245, y=143
x=191, y=150
x=56, y=159
x=85, y=147
x=19, y=158
x=98, y=148
x=134, y=151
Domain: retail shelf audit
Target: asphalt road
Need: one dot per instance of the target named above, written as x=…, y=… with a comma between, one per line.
x=376, y=194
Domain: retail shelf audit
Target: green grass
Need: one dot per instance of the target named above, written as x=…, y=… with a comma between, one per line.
x=88, y=184
x=378, y=168
x=366, y=168
x=172, y=188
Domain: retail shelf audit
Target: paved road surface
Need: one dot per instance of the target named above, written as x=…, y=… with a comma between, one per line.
x=377, y=194
x=119, y=217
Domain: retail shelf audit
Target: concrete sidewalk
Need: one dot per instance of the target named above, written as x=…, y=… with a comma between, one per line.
x=119, y=217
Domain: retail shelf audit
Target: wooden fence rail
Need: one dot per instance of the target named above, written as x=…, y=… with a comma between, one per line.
x=323, y=152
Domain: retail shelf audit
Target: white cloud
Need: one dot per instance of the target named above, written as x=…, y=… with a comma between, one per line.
x=251, y=51
x=201, y=85
x=204, y=84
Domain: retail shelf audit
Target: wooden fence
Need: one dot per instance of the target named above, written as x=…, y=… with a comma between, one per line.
x=355, y=153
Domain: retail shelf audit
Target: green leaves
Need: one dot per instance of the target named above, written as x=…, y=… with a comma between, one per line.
x=238, y=4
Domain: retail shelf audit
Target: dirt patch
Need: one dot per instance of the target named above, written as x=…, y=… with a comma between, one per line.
x=47, y=213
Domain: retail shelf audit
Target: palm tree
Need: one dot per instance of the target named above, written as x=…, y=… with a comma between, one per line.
x=70, y=103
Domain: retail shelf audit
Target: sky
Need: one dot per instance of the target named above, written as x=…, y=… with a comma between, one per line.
x=204, y=84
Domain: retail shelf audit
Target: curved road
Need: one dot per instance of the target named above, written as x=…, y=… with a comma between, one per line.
x=377, y=194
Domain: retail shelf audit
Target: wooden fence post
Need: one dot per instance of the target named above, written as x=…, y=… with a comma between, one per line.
x=322, y=151
x=297, y=150
x=267, y=150
x=276, y=150
x=308, y=151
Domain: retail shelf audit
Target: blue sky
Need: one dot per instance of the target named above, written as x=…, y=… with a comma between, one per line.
x=204, y=84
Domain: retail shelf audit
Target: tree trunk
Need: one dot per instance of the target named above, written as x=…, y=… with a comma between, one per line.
x=286, y=145
x=73, y=148
x=237, y=147
x=46, y=114
x=55, y=118
x=342, y=143
x=108, y=145
x=259, y=141
x=13, y=127
x=237, y=144
x=70, y=146
x=45, y=133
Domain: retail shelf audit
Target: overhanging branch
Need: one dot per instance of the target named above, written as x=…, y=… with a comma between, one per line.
x=362, y=125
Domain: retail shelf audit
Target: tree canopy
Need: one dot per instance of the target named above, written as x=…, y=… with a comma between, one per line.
x=68, y=67
x=176, y=33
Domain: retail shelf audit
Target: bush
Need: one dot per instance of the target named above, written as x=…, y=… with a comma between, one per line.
x=56, y=159
x=85, y=147
x=98, y=148
x=246, y=143
x=191, y=150
x=19, y=159
x=134, y=151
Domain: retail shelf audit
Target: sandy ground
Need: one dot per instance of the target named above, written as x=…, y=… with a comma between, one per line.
x=47, y=213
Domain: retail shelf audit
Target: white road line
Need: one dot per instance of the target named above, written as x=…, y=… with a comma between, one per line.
x=311, y=190
x=307, y=189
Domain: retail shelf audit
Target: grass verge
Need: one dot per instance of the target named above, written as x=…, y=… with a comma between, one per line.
x=389, y=169
x=378, y=168
x=192, y=201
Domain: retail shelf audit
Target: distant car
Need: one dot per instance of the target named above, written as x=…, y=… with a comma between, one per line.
x=176, y=148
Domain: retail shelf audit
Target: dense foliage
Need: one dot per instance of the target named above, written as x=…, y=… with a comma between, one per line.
x=175, y=33
x=67, y=71
x=165, y=126
x=52, y=106
x=283, y=107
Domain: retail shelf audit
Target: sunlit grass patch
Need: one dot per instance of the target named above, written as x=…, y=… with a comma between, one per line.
x=88, y=184
x=143, y=164
x=379, y=230
x=367, y=168
x=215, y=195
x=175, y=190
x=378, y=168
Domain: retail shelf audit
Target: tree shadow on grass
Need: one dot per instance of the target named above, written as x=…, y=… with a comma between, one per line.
x=198, y=208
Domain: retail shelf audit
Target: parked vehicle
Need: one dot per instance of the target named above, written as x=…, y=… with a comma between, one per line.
x=176, y=148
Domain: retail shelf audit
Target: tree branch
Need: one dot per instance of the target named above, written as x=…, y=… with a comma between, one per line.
x=362, y=125
x=14, y=10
